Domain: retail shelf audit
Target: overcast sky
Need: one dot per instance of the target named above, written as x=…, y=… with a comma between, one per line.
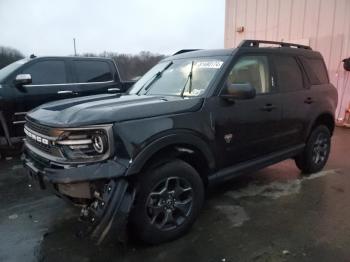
x=47, y=27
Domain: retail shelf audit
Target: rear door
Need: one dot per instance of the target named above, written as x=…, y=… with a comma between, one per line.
x=296, y=98
x=93, y=76
x=50, y=81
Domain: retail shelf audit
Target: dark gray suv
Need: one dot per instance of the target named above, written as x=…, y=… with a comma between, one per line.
x=197, y=118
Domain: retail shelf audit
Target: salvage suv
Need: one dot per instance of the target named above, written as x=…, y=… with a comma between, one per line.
x=144, y=159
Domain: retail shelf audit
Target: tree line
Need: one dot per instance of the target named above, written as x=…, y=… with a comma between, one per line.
x=130, y=66
x=9, y=55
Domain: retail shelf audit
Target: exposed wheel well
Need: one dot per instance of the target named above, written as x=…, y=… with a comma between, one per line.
x=187, y=153
x=325, y=119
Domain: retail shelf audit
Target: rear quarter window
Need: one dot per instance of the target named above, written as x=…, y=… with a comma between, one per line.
x=92, y=71
x=316, y=70
x=289, y=74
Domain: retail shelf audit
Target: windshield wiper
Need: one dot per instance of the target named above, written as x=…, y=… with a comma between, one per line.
x=189, y=78
x=154, y=78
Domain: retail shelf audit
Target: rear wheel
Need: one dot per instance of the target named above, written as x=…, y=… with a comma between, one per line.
x=168, y=200
x=316, y=152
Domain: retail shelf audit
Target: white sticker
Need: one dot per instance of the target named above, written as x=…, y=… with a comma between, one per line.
x=209, y=64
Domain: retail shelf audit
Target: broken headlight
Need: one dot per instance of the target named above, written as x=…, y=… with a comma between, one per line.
x=85, y=144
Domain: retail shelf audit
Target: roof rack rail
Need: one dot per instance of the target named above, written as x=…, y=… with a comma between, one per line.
x=185, y=51
x=256, y=43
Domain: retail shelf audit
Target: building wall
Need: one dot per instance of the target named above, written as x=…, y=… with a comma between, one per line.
x=323, y=24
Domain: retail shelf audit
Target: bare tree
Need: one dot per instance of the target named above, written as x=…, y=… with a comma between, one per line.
x=9, y=55
x=131, y=66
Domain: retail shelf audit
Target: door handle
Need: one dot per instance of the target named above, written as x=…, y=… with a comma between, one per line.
x=113, y=89
x=308, y=100
x=65, y=92
x=268, y=107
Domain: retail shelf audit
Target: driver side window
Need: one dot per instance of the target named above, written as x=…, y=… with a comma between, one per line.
x=47, y=72
x=253, y=70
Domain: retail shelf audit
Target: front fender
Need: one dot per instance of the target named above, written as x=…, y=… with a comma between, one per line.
x=184, y=138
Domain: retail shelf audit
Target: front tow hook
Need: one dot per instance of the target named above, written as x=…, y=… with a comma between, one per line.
x=109, y=210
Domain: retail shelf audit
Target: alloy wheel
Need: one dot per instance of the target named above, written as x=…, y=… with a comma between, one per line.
x=320, y=149
x=170, y=203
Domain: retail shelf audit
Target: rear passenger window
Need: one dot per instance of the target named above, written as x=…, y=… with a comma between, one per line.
x=315, y=70
x=253, y=70
x=47, y=72
x=93, y=71
x=288, y=73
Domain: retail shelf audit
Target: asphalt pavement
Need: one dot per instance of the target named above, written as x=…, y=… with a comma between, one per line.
x=275, y=214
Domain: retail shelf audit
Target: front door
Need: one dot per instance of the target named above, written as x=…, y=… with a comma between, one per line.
x=50, y=80
x=246, y=129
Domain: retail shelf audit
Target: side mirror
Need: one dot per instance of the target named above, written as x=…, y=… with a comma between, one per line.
x=23, y=79
x=239, y=91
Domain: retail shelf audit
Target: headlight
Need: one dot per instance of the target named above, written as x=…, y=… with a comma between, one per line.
x=84, y=144
x=99, y=143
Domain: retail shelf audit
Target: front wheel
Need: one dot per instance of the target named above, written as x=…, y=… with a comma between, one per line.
x=168, y=201
x=316, y=152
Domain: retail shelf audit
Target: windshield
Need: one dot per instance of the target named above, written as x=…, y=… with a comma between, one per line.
x=181, y=77
x=4, y=72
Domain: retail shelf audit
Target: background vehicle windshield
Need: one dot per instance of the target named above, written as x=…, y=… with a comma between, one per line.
x=174, y=77
x=4, y=72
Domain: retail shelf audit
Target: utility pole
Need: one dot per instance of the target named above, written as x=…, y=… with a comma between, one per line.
x=75, y=48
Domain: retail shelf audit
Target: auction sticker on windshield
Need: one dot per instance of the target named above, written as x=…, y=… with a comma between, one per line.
x=209, y=64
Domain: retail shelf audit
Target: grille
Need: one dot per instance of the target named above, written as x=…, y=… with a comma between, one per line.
x=44, y=130
x=42, y=147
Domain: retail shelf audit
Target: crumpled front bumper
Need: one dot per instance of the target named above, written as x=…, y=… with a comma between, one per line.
x=107, y=206
x=49, y=172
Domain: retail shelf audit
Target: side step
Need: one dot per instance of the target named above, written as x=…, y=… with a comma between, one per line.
x=254, y=164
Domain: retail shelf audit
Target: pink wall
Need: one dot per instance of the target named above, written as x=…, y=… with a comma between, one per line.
x=323, y=24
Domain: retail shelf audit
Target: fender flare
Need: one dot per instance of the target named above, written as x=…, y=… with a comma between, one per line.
x=313, y=122
x=172, y=139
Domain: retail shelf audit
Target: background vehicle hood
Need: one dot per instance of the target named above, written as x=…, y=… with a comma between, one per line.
x=102, y=109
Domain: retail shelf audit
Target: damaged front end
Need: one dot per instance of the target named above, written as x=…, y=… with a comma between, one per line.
x=100, y=188
x=109, y=209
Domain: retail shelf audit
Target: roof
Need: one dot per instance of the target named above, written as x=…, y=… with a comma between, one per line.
x=252, y=45
x=203, y=53
x=71, y=57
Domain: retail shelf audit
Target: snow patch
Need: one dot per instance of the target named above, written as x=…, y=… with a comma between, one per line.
x=276, y=190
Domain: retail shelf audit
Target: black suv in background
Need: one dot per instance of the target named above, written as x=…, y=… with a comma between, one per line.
x=195, y=119
x=28, y=83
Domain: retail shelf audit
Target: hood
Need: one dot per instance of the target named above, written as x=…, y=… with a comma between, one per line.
x=103, y=109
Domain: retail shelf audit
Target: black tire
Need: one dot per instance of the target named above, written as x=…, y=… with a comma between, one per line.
x=316, y=152
x=152, y=203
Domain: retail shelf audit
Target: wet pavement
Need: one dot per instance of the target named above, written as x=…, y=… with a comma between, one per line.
x=272, y=215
